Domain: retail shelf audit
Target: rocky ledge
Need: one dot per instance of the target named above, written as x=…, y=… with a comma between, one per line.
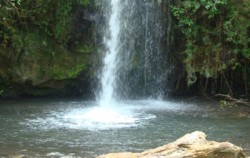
x=192, y=145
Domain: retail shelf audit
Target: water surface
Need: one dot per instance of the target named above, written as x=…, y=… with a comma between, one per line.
x=57, y=128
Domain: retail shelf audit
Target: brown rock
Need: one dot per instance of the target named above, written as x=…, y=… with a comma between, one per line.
x=192, y=145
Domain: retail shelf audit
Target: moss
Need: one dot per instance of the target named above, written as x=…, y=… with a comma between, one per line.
x=1, y=91
x=61, y=73
x=42, y=55
x=84, y=2
x=84, y=48
x=136, y=61
x=41, y=92
x=4, y=64
x=41, y=62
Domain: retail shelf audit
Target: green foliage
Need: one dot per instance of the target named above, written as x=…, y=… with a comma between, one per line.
x=227, y=104
x=8, y=8
x=51, y=17
x=60, y=73
x=1, y=91
x=39, y=43
x=2, y=86
x=217, y=36
x=63, y=20
x=84, y=48
x=84, y=2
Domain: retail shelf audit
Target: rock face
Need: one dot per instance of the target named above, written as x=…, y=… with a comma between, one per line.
x=192, y=145
x=38, y=58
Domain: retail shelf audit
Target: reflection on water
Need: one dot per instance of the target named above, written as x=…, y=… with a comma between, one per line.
x=79, y=128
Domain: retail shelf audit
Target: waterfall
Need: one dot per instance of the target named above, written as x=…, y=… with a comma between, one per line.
x=111, y=59
x=134, y=63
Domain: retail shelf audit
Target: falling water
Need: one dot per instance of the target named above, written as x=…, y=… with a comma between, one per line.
x=111, y=59
x=134, y=64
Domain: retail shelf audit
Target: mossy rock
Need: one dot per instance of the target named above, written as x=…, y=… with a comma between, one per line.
x=40, y=61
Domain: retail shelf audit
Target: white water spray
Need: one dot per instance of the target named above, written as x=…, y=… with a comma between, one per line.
x=110, y=61
x=134, y=65
x=125, y=30
x=108, y=113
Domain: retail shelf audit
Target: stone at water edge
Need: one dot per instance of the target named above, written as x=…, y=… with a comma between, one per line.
x=192, y=145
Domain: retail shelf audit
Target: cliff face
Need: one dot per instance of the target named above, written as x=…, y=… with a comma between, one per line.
x=35, y=61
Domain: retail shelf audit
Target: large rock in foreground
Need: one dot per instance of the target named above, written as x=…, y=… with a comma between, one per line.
x=192, y=145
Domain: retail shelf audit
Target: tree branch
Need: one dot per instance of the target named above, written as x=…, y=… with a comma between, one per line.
x=234, y=100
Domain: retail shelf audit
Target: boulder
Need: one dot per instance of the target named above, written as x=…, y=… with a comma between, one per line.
x=192, y=145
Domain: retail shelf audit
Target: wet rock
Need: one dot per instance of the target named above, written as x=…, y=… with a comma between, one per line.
x=13, y=156
x=21, y=156
x=4, y=156
x=192, y=145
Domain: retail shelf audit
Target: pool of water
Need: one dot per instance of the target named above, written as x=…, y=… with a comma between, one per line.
x=76, y=128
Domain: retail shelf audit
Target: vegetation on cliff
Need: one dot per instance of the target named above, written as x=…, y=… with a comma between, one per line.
x=216, y=50
x=43, y=45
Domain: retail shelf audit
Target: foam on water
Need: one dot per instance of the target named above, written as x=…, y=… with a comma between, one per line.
x=123, y=115
x=101, y=118
x=102, y=115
